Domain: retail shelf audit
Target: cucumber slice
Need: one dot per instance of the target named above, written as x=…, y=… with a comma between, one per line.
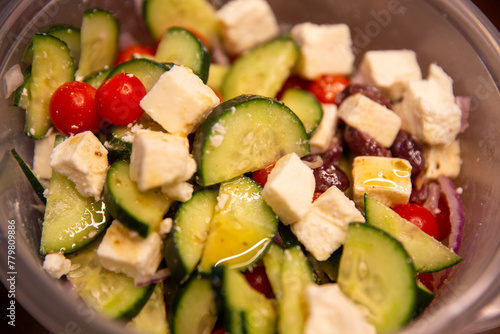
x=306, y=106
x=153, y=317
x=427, y=253
x=216, y=75
x=193, y=309
x=198, y=15
x=99, y=42
x=28, y=172
x=112, y=295
x=184, y=245
x=377, y=273
x=182, y=47
x=139, y=211
x=424, y=298
x=272, y=263
x=263, y=70
x=245, y=134
x=69, y=35
x=242, y=227
x=96, y=79
x=244, y=310
x=145, y=70
x=21, y=94
x=52, y=66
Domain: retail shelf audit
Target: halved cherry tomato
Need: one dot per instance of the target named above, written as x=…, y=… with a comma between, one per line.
x=327, y=86
x=419, y=216
x=129, y=53
x=72, y=108
x=427, y=279
x=443, y=219
x=257, y=278
x=260, y=176
x=117, y=99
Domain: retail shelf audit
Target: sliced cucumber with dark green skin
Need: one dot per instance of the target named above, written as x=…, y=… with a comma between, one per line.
x=96, y=79
x=193, y=309
x=21, y=94
x=263, y=70
x=139, y=211
x=427, y=253
x=242, y=227
x=69, y=35
x=272, y=263
x=424, y=298
x=152, y=318
x=182, y=47
x=28, y=172
x=306, y=106
x=52, y=66
x=244, y=310
x=145, y=70
x=112, y=295
x=185, y=244
x=245, y=134
x=377, y=273
x=199, y=15
x=99, y=42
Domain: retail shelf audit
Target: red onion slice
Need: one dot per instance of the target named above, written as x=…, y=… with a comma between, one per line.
x=457, y=217
x=432, y=201
x=157, y=277
x=463, y=102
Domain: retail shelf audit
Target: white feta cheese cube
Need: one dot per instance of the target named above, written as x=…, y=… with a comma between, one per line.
x=179, y=101
x=124, y=251
x=324, y=227
x=390, y=71
x=370, y=117
x=41, y=158
x=289, y=189
x=56, y=264
x=332, y=312
x=442, y=160
x=180, y=191
x=166, y=226
x=324, y=49
x=245, y=24
x=386, y=179
x=84, y=160
x=428, y=110
x=159, y=159
x=322, y=136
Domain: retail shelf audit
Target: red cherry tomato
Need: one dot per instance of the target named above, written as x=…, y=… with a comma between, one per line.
x=129, y=53
x=72, y=108
x=419, y=216
x=293, y=82
x=443, y=219
x=117, y=99
x=258, y=280
x=260, y=176
x=327, y=86
x=219, y=331
x=427, y=279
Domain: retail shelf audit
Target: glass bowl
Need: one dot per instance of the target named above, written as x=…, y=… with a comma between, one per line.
x=453, y=33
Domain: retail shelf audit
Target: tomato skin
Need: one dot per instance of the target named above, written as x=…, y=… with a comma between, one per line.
x=257, y=278
x=419, y=216
x=427, y=279
x=117, y=99
x=293, y=82
x=129, y=52
x=327, y=86
x=260, y=176
x=72, y=108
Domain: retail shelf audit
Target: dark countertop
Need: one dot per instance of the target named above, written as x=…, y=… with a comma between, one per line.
x=26, y=324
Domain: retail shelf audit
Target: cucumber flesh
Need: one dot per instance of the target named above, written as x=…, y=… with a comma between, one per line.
x=245, y=134
x=96, y=79
x=28, y=172
x=242, y=227
x=99, y=42
x=377, y=273
x=184, y=245
x=306, y=106
x=152, y=318
x=263, y=70
x=139, y=211
x=69, y=35
x=112, y=295
x=182, y=47
x=272, y=263
x=145, y=70
x=428, y=254
x=193, y=309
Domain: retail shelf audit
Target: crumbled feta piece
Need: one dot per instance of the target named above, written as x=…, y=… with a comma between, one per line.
x=322, y=136
x=324, y=228
x=166, y=226
x=442, y=160
x=159, y=159
x=428, y=109
x=56, y=264
x=324, y=49
x=180, y=191
x=370, y=117
x=331, y=312
x=386, y=179
x=179, y=101
x=41, y=157
x=390, y=71
x=245, y=24
x=289, y=189
x=84, y=160
x=124, y=251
